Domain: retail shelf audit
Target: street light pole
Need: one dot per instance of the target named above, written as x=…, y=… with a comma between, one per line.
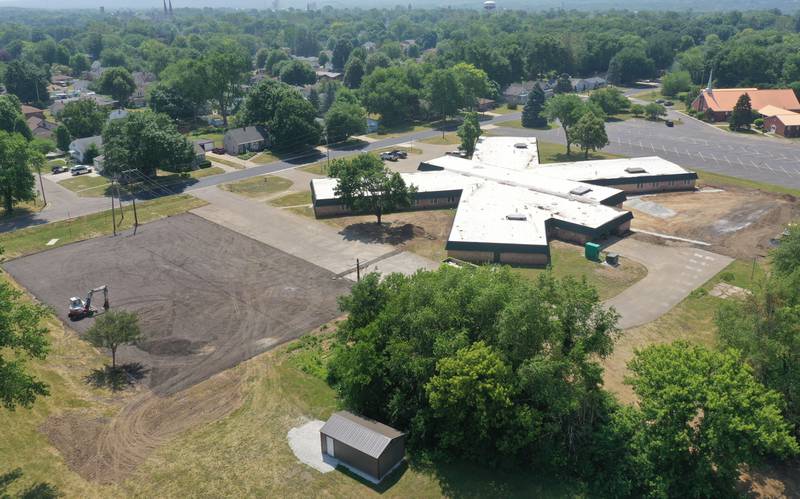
x=41, y=183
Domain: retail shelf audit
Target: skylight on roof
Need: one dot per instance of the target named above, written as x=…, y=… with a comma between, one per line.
x=519, y=217
x=635, y=169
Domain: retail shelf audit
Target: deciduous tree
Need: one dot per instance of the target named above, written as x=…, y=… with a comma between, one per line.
x=365, y=185
x=118, y=83
x=113, y=329
x=566, y=108
x=83, y=118
x=590, y=133
x=22, y=337
x=344, y=119
x=17, y=159
x=468, y=132
x=27, y=81
x=11, y=118
x=611, y=100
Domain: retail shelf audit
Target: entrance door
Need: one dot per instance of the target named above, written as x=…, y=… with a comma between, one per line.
x=329, y=446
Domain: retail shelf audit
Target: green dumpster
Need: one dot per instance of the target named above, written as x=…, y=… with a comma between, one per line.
x=592, y=252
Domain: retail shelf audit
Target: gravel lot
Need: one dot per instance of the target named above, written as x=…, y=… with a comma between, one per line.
x=207, y=297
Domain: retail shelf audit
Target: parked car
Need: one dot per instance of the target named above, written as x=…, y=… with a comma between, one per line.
x=80, y=170
x=458, y=154
x=389, y=156
x=669, y=103
x=218, y=150
x=659, y=101
x=669, y=123
x=400, y=153
x=58, y=169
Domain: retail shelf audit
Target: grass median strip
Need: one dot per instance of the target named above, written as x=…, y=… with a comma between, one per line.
x=34, y=239
x=293, y=199
x=258, y=187
x=86, y=186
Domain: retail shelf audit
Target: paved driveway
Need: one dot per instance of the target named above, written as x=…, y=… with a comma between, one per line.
x=672, y=273
x=315, y=242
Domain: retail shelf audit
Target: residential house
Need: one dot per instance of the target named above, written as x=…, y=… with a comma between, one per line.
x=41, y=128
x=78, y=147
x=323, y=75
x=718, y=103
x=200, y=152
x=143, y=80
x=32, y=112
x=61, y=80
x=370, y=46
x=246, y=139
x=587, y=84
x=205, y=144
x=517, y=93
x=365, y=446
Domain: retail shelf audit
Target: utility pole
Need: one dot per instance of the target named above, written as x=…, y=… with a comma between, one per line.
x=358, y=271
x=41, y=184
x=113, y=212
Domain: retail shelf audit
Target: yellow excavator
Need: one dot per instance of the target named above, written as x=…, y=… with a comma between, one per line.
x=80, y=308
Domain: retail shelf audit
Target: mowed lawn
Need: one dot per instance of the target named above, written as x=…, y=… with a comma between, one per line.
x=246, y=454
x=86, y=185
x=33, y=239
x=258, y=187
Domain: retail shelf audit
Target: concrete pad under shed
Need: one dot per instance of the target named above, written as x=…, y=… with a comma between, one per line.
x=305, y=444
x=207, y=297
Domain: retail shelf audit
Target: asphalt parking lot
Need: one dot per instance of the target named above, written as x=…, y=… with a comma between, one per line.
x=697, y=145
x=207, y=297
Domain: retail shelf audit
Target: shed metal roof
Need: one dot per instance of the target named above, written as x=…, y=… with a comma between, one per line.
x=364, y=435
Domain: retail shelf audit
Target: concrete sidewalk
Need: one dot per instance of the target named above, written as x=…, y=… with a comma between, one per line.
x=313, y=241
x=672, y=273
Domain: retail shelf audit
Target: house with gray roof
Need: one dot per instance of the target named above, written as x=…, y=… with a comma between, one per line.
x=363, y=445
x=246, y=139
x=592, y=83
x=78, y=147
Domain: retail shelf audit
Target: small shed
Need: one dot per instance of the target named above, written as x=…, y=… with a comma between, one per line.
x=363, y=444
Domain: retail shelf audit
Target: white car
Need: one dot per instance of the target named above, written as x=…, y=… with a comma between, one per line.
x=80, y=170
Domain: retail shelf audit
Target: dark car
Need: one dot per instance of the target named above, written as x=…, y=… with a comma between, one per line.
x=400, y=153
x=669, y=123
x=218, y=150
x=669, y=103
x=389, y=156
x=59, y=169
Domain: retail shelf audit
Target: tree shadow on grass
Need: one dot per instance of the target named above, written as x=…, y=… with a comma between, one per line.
x=40, y=490
x=385, y=484
x=385, y=233
x=117, y=378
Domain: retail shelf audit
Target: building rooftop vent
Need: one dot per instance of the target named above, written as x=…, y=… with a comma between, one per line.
x=635, y=169
x=521, y=145
x=580, y=191
x=519, y=217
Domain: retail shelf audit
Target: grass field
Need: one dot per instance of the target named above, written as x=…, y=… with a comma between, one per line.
x=34, y=239
x=397, y=131
x=448, y=139
x=258, y=187
x=504, y=109
x=653, y=95
x=568, y=260
x=23, y=208
x=715, y=179
x=550, y=152
x=86, y=186
x=318, y=168
x=293, y=199
x=518, y=124
x=226, y=162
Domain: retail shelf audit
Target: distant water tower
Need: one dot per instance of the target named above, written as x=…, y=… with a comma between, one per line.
x=489, y=5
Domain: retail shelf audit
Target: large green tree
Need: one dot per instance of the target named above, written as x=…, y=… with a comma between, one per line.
x=365, y=185
x=567, y=109
x=590, y=133
x=444, y=92
x=611, y=100
x=22, y=337
x=11, y=118
x=344, y=119
x=353, y=72
x=469, y=132
x=63, y=138
x=473, y=82
x=83, y=118
x=289, y=117
x=703, y=415
x=629, y=65
x=297, y=73
x=532, y=112
x=184, y=82
x=27, y=81
x=390, y=93
x=675, y=82
x=113, y=329
x=17, y=159
x=742, y=115
x=118, y=83
x=227, y=65
x=519, y=358
x=145, y=141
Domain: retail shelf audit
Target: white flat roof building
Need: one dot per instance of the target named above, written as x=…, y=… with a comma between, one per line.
x=508, y=204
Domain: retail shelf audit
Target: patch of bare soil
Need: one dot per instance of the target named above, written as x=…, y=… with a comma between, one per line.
x=107, y=450
x=737, y=222
x=780, y=479
x=421, y=232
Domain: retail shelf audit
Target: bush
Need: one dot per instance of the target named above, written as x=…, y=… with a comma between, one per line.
x=758, y=122
x=204, y=164
x=246, y=155
x=44, y=146
x=512, y=106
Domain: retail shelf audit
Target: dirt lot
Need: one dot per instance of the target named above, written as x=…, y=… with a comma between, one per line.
x=207, y=297
x=737, y=222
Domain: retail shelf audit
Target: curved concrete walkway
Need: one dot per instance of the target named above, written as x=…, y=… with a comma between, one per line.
x=672, y=273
